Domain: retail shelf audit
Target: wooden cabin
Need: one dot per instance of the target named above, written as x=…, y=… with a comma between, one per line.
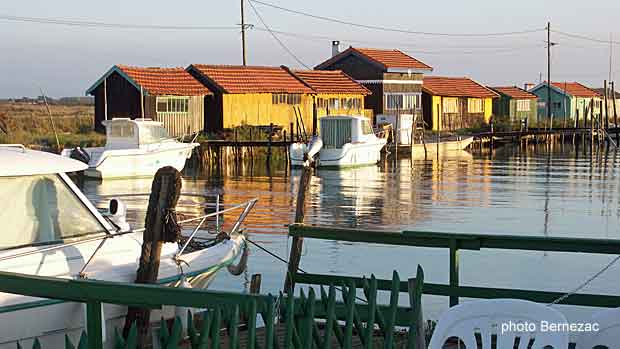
x=452, y=103
x=168, y=95
x=571, y=102
x=393, y=77
x=514, y=103
x=252, y=95
x=336, y=93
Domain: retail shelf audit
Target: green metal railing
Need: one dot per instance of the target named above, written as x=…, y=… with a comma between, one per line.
x=295, y=317
x=457, y=242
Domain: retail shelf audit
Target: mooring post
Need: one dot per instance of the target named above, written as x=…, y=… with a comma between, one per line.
x=298, y=241
x=454, y=272
x=165, y=192
x=614, y=102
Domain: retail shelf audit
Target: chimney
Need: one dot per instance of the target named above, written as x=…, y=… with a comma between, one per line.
x=528, y=86
x=335, y=47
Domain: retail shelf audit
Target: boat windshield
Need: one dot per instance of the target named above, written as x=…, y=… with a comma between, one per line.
x=42, y=209
x=152, y=134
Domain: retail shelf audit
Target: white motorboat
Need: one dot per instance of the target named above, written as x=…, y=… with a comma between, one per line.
x=134, y=148
x=51, y=229
x=450, y=145
x=346, y=141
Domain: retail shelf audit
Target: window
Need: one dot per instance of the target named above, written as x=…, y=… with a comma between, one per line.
x=404, y=101
x=43, y=209
x=523, y=105
x=172, y=104
x=152, y=134
x=334, y=103
x=475, y=105
x=285, y=98
x=557, y=105
x=121, y=130
x=450, y=105
x=366, y=129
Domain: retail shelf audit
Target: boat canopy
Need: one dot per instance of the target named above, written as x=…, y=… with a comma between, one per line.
x=16, y=160
x=127, y=133
x=336, y=131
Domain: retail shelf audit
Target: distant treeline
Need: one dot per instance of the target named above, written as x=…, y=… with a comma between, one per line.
x=59, y=101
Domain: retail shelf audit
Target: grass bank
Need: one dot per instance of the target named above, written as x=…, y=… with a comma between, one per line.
x=30, y=125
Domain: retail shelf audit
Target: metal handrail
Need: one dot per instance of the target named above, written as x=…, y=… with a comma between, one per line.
x=14, y=146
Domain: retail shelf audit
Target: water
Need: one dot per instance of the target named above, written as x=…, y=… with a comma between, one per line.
x=559, y=191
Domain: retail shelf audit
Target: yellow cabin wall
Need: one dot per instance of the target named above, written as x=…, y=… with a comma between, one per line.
x=257, y=109
x=488, y=109
x=323, y=111
x=436, y=107
x=437, y=103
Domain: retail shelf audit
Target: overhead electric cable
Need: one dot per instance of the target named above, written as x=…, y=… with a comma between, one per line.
x=584, y=37
x=96, y=24
x=260, y=18
x=450, y=50
x=388, y=29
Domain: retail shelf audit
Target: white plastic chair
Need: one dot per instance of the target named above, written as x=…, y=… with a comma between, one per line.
x=608, y=334
x=487, y=317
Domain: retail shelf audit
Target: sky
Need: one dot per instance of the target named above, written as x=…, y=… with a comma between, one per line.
x=66, y=60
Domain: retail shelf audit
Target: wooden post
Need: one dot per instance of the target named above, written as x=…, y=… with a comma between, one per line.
x=105, y=98
x=255, y=282
x=315, y=116
x=165, y=192
x=606, y=120
x=141, y=102
x=269, y=141
x=613, y=99
x=297, y=246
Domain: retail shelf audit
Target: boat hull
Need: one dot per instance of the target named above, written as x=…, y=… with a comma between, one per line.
x=117, y=261
x=350, y=155
x=441, y=147
x=138, y=162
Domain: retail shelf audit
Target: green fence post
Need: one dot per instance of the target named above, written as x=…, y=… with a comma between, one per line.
x=454, y=272
x=93, y=325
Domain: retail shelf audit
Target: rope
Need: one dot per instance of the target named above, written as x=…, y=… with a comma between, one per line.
x=298, y=268
x=586, y=283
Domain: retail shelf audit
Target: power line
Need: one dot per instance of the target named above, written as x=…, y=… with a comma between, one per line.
x=397, y=30
x=276, y=37
x=455, y=50
x=584, y=37
x=96, y=24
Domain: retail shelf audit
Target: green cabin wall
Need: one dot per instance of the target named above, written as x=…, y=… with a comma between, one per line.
x=561, y=111
x=507, y=106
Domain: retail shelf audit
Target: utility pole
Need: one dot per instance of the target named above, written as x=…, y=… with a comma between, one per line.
x=243, y=33
x=611, y=52
x=548, y=70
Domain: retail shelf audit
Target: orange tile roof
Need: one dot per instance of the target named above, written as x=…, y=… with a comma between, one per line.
x=575, y=89
x=386, y=58
x=515, y=92
x=330, y=81
x=165, y=81
x=252, y=79
x=456, y=87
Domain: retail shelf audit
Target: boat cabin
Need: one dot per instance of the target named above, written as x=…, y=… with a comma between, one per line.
x=46, y=207
x=127, y=133
x=336, y=131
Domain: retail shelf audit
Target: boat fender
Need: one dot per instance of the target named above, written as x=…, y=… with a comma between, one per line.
x=118, y=214
x=314, y=147
x=80, y=154
x=243, y=262
x=182, y=312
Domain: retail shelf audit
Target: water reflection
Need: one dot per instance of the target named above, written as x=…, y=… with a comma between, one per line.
x=560, y=190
